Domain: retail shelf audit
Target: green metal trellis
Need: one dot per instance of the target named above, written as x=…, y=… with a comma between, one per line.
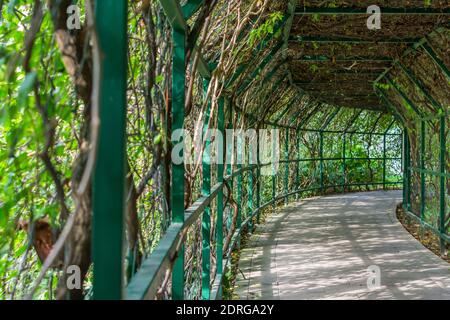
x=108, y=212
x=109, y=176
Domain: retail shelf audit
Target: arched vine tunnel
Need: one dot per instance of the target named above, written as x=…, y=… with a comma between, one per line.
x=96, y=173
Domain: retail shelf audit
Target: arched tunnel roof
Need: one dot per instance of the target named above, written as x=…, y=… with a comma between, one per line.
x=325, y=56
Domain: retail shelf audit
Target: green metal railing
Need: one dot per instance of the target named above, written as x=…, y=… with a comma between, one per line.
x=422, y=121
x=438, y=227
x=246, y=182
x=241, y=181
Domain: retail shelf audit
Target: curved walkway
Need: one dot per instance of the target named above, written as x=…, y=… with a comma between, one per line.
x=321, y=248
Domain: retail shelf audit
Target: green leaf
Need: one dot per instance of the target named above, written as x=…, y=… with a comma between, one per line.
x=26, y=87
x=159, y=79
x=157, y=139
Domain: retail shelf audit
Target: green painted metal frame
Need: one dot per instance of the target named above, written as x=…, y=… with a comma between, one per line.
x=351, y=40
x=442, y=184
x=408, y=169
x=404, y=96
x=110, y=168
x=178, y=170
x=306, y=10
x=220, y=180
x=286, y=169
x=442, y=174
x=170, y=250
x=436, y=59
x=265, y=61
x=191, y=7
x=263, y=44
x=206, y=191
x=419, y=85
x=324, y=58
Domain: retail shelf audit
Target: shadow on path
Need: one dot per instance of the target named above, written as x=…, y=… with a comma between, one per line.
x=321, y=249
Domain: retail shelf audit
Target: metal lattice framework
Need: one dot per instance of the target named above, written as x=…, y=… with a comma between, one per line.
x=306, y=109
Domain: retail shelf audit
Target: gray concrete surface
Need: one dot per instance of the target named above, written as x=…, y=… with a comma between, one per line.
x=321, y=248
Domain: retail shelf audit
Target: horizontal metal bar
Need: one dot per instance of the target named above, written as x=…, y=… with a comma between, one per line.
x=323, y=58
x=339, y=83
x=351, y=40
x=431, y=117
x=430, y=172
x=146, y=281
x=348, y=132
x=384, y=10
x=365, y=71
x=337, y=159
x=427, y=225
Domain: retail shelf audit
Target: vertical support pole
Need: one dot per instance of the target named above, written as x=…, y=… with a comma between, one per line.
x=384, y=161
x=220, y=169
x=239, y=160
x=321, y=162
x=443, y=191
x=286, y=170
x=407, y=171
x=258, y=179
x=422, y=173
x=230, y=145
x=177, y=185
x=404, y=145
x=206, y=191
x=250, y=189
x=109, y=175
x=274, y=171
x=297, y=167
x=344, y=161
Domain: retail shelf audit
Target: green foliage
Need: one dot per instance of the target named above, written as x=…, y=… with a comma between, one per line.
x=383, y=86
x=268, y=27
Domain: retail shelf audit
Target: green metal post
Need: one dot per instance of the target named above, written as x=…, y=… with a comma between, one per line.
x=206, y=190
x=297, y=167
x=384, y=162
x=109, y=175
x=407, y=170
x=344, y=162
x=286, y=170
x=220, y=171
x=250, y=190
x=258, y=179
x=177, y=186
x=321, y=163
x=274, y=182
x=443, y=191
x=229, y=144
x=239, y=159
x=422, y=174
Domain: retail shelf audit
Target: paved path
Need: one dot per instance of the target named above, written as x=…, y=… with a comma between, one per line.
x=321, y=249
